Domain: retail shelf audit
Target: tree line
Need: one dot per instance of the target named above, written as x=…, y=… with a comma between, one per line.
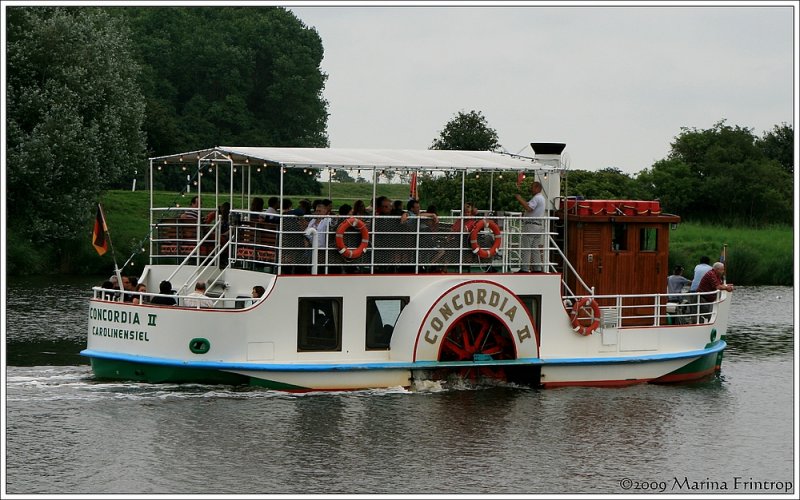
x=724, y=175
x=92, y=92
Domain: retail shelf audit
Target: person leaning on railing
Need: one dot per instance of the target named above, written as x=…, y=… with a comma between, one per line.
x=712, y=281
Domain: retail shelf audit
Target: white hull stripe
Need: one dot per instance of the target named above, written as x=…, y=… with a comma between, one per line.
x=418, y=365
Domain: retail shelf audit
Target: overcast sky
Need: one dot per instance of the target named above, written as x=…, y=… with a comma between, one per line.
x=615, y=83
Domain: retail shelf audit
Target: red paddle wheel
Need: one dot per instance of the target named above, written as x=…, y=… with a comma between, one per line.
x=478, y=337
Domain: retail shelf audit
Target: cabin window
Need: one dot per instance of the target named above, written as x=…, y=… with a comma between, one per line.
x=382, y=314
x=648, y=239
x=319, y=324
x=619, y=236
x=534, y=305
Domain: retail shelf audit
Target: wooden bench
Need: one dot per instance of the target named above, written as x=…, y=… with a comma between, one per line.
x=167, y=234
x=257, y=241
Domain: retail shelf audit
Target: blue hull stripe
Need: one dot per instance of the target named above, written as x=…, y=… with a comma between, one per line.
x=419, y=365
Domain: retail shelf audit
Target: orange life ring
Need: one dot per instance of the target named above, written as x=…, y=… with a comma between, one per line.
x=349, y=253
x=473, y=239
x=595, y=323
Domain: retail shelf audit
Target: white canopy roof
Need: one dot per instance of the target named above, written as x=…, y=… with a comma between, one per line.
x=363, y=158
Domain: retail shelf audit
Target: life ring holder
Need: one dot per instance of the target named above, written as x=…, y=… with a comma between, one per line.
x=349, y=253
x=481, y=252
x=585, y=330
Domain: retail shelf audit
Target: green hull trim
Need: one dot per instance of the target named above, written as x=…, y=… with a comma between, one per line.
x=108, y=369
x=703, y=367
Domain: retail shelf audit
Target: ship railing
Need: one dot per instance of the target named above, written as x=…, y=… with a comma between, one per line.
x=418, y=245
x=146, y=298
x=569, y=267
x=200, y=267
x=638, y=310
x=174, y=238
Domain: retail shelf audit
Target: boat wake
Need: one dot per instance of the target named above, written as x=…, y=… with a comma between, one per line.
x=71, y=383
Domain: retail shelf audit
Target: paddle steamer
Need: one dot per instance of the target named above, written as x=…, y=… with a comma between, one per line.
x=376, y=301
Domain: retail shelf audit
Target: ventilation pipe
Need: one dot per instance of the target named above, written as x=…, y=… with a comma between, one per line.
x=549, y=153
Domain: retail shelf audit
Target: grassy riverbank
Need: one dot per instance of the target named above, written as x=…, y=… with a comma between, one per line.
x=754, y=256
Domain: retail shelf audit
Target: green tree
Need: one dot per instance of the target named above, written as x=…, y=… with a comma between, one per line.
x=728, y=177
x=343, y=175
x=672, y=182
x=240, y=76
x=778, y=145
x=467, y=132
x=606, y=184
x=74, y=118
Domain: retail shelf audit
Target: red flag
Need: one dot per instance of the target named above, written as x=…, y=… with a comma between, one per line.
x=99, y=240
x=413, y=193
x=520, y=178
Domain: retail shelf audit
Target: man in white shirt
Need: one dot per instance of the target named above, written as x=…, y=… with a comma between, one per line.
x=322, y=222
x=533, y=229
x=198, y=298
x=699, y=271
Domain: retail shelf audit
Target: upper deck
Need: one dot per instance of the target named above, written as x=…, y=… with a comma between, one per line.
x=291, y=244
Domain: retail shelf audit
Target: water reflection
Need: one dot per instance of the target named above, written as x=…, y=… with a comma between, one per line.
x=761, y=322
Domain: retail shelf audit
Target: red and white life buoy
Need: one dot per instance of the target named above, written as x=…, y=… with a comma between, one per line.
x=349, y=253
x=473, y=239
x=579, y=327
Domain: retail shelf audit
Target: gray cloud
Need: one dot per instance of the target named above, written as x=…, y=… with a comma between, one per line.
x=615, y=83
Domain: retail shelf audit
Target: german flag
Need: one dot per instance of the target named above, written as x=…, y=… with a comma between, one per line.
x=99, y=240
x=413, y=188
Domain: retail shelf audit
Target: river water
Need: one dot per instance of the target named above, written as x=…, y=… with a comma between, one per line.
x=68, y=434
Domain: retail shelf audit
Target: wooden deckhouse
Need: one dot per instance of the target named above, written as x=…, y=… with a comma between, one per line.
x=616, y=246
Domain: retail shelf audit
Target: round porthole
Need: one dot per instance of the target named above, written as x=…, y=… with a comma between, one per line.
x=713, y=334
x=199, y=346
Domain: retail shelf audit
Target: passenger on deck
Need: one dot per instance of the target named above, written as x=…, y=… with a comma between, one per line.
x=256, y=207
x=303, y=208
x=321, y=222
x=287, y=206
x=675, y=284
x=295, y=257
x=397, y=207
x=258, y=292
x=710, y=282
x=193, y=212
x=224, y=212
x=469, y=213
x=414, y=210
x=128, y=286
x=433, y=221
x=198, y=298
x=382, y=206
x=700, y=270
x=533, y=229
x=359, y=209
x=140, y=299
x=273, y=204
x=164, y=288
